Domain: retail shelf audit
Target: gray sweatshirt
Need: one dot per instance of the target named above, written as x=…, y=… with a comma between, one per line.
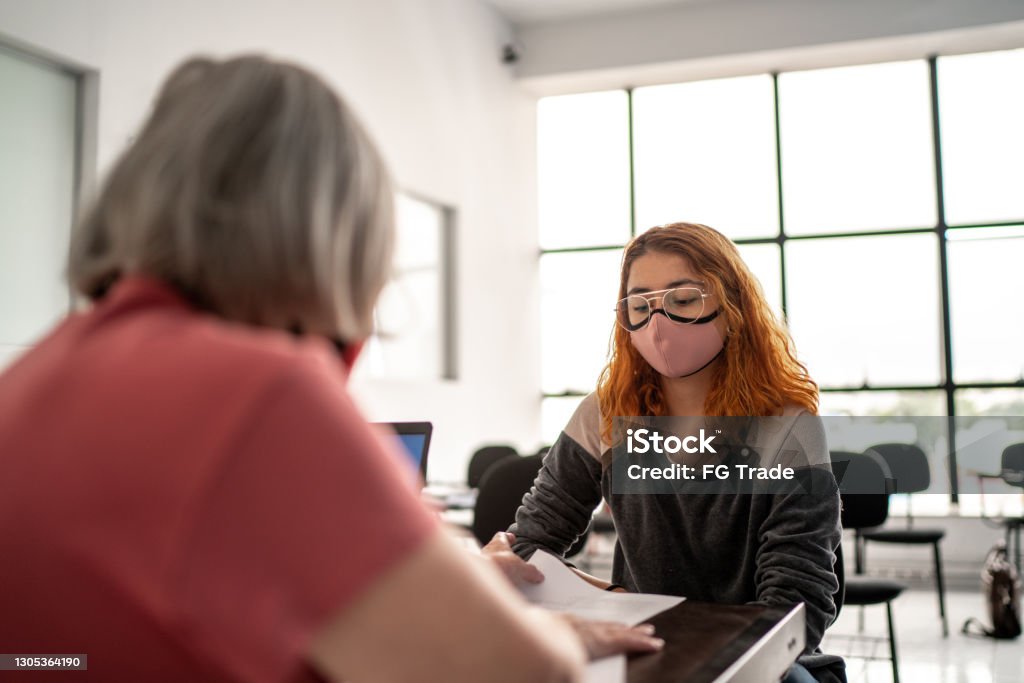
x=768, y=549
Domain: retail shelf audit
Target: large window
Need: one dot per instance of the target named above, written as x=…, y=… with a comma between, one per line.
x=880, y=206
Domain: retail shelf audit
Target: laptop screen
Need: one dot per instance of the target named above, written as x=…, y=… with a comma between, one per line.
x=414, y=438
x=413, y=444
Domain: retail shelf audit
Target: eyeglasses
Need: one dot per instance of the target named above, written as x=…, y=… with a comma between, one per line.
x=681, y=304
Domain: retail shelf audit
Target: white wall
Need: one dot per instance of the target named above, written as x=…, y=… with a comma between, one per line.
x=427, y=80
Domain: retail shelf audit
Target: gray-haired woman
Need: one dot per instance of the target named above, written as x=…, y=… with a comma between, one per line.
x=188, y=491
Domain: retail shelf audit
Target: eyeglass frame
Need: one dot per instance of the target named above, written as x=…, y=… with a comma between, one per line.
x=649, y=296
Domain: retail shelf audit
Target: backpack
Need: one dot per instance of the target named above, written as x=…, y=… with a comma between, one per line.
x=1001, y=586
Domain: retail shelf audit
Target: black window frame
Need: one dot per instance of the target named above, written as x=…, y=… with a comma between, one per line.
x=949, y=386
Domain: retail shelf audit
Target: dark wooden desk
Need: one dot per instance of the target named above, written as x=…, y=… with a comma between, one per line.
x=719, y=643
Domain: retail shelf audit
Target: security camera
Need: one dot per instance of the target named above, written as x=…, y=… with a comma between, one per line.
x=509, y=53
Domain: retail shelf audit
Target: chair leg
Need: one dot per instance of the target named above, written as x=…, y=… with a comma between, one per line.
x=1012, y=542
x=1016, y=536
x=941, y=587
x=892, y=644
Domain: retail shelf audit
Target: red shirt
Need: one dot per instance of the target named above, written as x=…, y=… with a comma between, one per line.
x=187, y=499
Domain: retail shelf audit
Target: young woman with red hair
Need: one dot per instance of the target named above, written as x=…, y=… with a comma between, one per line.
x=696, y=337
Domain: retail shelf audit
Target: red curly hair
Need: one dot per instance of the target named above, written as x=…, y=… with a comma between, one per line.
x=758, y=372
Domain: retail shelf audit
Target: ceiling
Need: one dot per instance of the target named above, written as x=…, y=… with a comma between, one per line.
x=537, y=11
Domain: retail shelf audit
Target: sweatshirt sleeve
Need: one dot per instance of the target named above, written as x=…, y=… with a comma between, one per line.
x=559, y=506
x=798, y=537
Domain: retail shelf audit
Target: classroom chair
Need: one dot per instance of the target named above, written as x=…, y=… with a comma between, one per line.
x=501, y=493
x=863, y=485
x=908, y=466
x=483, y=459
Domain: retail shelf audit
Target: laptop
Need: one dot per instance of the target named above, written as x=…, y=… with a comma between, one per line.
x=415, y=440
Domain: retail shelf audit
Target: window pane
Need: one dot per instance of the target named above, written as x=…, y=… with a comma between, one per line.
x=419, y=225
x=857, y=148
x=982, y=444
x=583, y=169
x=981, y=103
x=994, y=402
x=763, y=260
x=410, y=317
x=37, y=187
x=705, y=153
x=555, y=414
x=986, y=312
x=865, y=310
x=883, y=403
x=930, y=435
x=578, y=294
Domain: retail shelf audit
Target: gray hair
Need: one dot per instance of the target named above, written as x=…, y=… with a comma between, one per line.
x=254, y=191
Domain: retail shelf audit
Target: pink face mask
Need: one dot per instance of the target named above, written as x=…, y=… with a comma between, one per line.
x=678, y=349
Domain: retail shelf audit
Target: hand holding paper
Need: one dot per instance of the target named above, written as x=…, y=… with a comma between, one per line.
x=499, y=552
x=563, y=591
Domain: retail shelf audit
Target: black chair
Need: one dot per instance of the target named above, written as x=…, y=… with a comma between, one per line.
x=1011, y=471
x=866, y=476
x=1013, y=474
x=908, y=466
x=483, y=459
x=603, y=523
x=501, y=493
x=863, y=486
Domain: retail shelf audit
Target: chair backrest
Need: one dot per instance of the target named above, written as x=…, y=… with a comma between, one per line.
x=1013, y=465
x=483, y=459
x=501, y=493
x=908, y=466
x=863, y=483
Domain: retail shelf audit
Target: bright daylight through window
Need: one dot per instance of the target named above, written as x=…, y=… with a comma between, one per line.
x=879, y=206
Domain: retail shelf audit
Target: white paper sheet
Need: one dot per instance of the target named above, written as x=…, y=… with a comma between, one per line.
x=563, y=591
x=607, y=670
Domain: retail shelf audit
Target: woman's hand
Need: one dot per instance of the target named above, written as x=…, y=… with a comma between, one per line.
x=599, y=638
x=518, y=570
x=606, y=638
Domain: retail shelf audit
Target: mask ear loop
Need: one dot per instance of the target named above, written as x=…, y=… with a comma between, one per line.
x=713, y=359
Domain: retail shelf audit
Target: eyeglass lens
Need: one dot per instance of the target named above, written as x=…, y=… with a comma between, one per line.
x=683, y=304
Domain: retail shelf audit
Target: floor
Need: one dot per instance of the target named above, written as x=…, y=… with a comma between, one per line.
x=923, y=654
